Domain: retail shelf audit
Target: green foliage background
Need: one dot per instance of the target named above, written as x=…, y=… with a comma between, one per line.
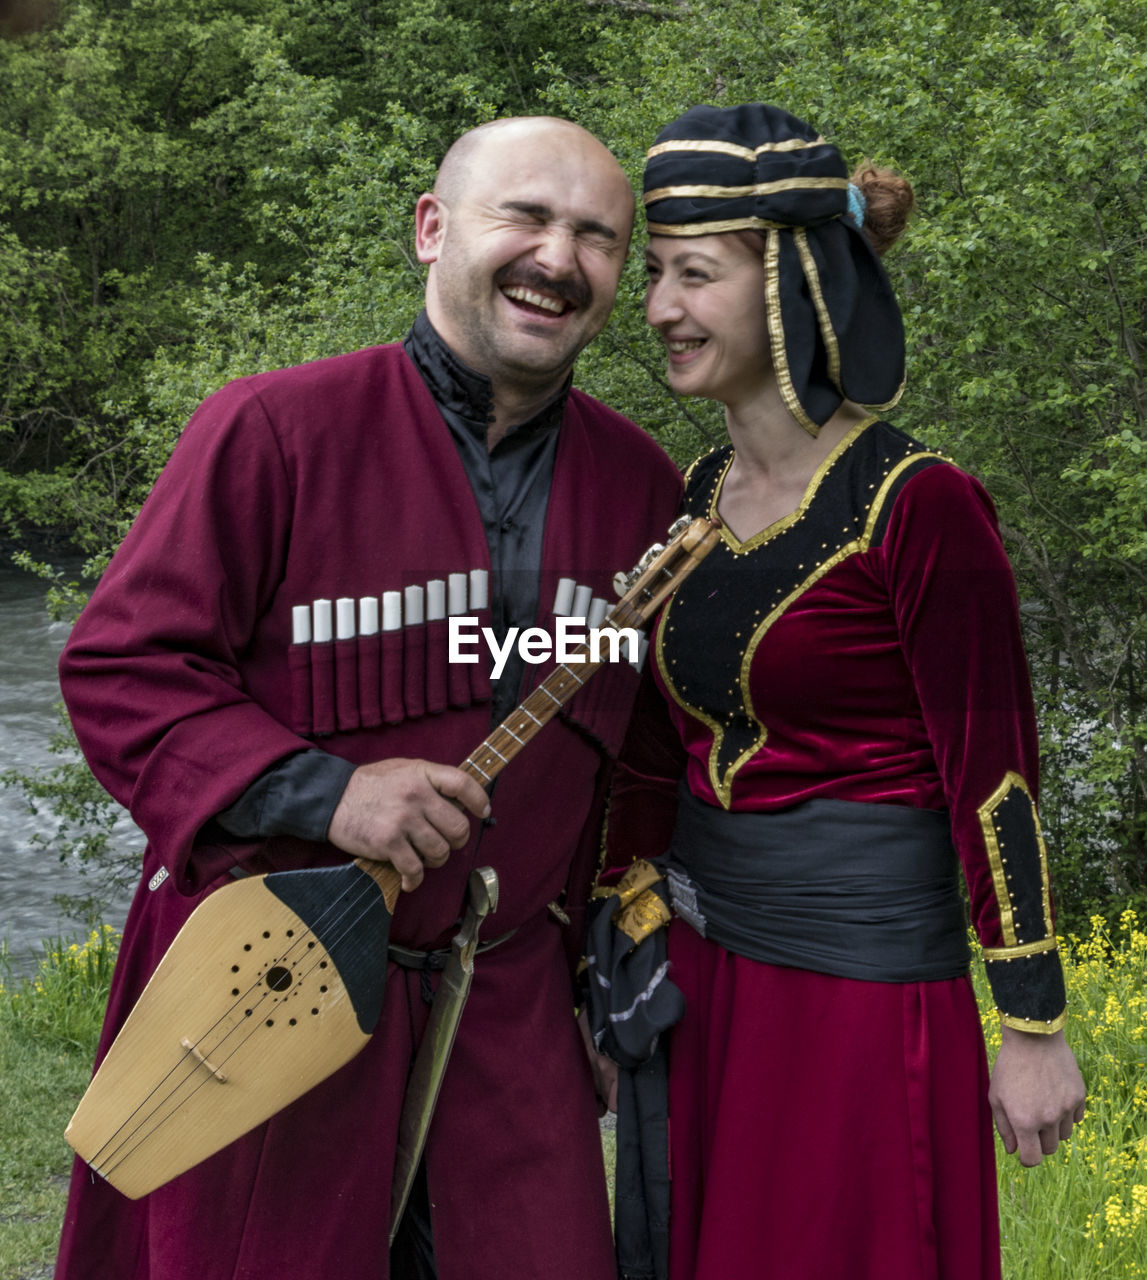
x=190, y=193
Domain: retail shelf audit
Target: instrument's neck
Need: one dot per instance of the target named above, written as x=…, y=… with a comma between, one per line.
x=543, y=703
x=491, y=756
x=648, y=587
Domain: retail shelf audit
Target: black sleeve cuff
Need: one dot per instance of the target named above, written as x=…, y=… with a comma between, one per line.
x=1028, y=989
x=296, y=797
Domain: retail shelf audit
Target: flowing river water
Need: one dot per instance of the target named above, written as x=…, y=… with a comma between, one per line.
x=30, y=876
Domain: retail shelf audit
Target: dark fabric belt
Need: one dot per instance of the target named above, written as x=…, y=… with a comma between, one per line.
x=867, y=891
x=425, y=963
x=435, y=961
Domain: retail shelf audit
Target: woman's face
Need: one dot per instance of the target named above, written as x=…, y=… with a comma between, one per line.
x=706, y=297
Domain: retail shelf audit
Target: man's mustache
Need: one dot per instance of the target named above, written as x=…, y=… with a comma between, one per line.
x=576, y=292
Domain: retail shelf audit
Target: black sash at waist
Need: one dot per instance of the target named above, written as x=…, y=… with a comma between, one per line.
x=855, y=890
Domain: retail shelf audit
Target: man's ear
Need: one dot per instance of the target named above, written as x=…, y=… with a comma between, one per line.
x=430, y=217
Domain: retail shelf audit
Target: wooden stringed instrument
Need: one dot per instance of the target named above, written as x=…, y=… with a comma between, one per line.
x=276, y=981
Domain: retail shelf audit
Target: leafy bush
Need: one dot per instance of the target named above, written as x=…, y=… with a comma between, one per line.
x=63, y=1002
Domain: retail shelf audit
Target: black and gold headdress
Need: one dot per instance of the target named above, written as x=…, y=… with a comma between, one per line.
x=834, y=323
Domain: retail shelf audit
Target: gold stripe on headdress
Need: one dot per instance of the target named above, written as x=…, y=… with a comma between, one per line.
x=791, y=144
x=730, y=148
x=888, y=404
x=827, y=332
x=753, y=189
x=700, y=144
x=712, y=228
x=777, y=334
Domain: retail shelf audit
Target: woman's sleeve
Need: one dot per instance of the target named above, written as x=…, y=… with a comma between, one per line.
x=955, y=602
x=643, y=797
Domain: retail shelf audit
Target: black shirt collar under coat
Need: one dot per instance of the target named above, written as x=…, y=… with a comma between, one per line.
x=463, y=393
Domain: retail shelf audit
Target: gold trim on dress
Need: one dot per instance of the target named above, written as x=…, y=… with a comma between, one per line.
x=857, y=546
x=882, y=493
x=714, y=726
x=730, y=148
x=779, y=526
x=1033, y=1025
x=688, y=473
x=986, y=813
x=706, y=191
x=995, y=954
x=723, y=786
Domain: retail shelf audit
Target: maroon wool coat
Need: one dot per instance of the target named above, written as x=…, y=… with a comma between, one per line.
x=339, y=478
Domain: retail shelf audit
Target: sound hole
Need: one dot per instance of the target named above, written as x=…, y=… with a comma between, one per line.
x=278, y=978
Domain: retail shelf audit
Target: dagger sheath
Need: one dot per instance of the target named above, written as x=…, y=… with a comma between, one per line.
x=430, y=1062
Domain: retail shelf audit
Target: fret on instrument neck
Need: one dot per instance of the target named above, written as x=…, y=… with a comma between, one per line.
x=504, y=743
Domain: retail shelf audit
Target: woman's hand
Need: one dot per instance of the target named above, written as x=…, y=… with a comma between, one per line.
x=604, y=1069
x=1037, y=1094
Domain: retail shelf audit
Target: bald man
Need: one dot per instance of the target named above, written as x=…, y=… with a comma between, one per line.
x=264, y=676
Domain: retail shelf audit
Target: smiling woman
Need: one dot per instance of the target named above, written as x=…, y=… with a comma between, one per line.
x=845, y=683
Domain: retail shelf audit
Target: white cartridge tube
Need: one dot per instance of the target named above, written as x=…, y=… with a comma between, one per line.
x=435, y=599
x=414, y=606
x=479, y=589
x=301, y=624
x=581, y=601
x=392, y=611
x=321, y=610
x=368, y=616
x=563, y=597
x=598, y=608
x=456, y=594
x=344, y=618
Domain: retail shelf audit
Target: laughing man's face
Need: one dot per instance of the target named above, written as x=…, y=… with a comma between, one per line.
x=527, y=254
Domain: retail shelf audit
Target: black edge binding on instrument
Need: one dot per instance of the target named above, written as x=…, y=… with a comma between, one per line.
x=346, y=911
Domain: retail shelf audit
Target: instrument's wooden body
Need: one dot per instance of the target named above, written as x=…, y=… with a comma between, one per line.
x=224, y=1034
x=275, y=982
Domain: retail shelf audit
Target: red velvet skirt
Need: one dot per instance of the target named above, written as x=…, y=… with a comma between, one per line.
x=824, y=1128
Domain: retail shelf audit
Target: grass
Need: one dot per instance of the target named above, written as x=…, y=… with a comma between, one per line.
x=1081, y=1215
x=48, y=1029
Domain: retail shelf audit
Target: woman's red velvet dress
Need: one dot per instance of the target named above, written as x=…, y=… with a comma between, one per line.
x=822, y=1127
